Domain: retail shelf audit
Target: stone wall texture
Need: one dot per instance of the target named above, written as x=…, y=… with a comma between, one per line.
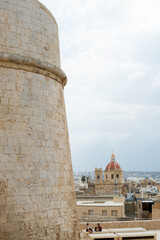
x=37, y=198
x=30, y=30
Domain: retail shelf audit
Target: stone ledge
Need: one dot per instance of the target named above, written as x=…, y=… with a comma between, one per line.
x=10, y=60
x=148, y=224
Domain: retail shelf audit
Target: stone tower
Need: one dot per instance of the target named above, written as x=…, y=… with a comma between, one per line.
x=37, y=198
x=98, y=175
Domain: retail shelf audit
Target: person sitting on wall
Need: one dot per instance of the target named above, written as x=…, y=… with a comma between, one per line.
x=88, y=229
x=99, y=227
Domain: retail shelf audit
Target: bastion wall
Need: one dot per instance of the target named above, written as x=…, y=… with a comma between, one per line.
x=37, y=198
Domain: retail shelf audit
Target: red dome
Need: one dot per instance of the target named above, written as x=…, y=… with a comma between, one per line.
x=112, y=166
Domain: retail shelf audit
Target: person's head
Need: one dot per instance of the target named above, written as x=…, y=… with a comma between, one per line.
x=98, y=224
x=87, y=224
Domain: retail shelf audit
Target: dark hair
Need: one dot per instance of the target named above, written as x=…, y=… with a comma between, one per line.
x=87, y=223
x=98, y=223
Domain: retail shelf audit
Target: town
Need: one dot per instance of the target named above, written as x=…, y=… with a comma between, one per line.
x=116, y=195
x=110, y=52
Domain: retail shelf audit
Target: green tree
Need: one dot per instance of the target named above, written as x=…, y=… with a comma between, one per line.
x=83, y=178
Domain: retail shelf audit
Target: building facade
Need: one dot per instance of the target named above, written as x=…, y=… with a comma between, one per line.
x=101, y=210
x=110, y=180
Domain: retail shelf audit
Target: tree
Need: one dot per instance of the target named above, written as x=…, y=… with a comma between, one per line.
x=83, y=178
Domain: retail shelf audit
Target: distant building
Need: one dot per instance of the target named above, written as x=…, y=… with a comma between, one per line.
x=129, y=187
x=156, y=208
x=100, y=210
x=110, y=181
x=144, y=209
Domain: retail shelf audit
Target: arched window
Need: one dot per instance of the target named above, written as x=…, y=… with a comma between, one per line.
x=106, y=176
x=117, y=175
x=112, y=176
x=98, y=177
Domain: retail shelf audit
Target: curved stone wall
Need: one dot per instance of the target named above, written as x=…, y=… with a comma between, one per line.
x=37, y=197
x=28, y=29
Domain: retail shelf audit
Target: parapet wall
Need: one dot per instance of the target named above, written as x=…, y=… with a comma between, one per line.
x=148, y=224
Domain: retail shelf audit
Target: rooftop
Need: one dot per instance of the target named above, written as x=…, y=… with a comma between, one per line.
x=100, y=203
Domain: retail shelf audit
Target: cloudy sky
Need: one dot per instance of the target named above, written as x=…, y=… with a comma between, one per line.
x=110, y=51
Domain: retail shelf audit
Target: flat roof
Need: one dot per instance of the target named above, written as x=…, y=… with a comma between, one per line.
x=136, y=234
x=100, y=204
x=105, y=235
x=125, y=230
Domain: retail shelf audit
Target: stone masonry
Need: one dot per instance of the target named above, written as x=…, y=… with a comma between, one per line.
x=37, y=198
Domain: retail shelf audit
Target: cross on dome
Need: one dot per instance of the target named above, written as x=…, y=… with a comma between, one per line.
x=113, y=157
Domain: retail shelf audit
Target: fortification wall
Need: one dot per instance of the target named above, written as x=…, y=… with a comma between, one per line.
x=37, y=198
x=28, y=29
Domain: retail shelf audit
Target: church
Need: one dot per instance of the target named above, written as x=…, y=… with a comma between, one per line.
x=110, y=180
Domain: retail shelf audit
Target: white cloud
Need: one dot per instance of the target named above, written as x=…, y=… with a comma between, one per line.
x=156, y=82
x=110, y=52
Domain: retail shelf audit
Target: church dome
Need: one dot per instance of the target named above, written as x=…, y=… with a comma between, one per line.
x=113, y=165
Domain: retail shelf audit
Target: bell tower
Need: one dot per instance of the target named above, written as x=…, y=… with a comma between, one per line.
x=98, y=175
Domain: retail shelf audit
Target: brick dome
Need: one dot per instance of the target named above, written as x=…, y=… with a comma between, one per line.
x=113, y=165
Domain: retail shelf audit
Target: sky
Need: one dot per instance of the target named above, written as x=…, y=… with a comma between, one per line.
x=110, y=52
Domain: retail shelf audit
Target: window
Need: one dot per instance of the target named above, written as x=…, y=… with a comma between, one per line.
x=112, y=176
x=114, y=213
x=98, y=177
x=117, y=175
x=90, y=212
x=106, y=176
x=104, y=212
